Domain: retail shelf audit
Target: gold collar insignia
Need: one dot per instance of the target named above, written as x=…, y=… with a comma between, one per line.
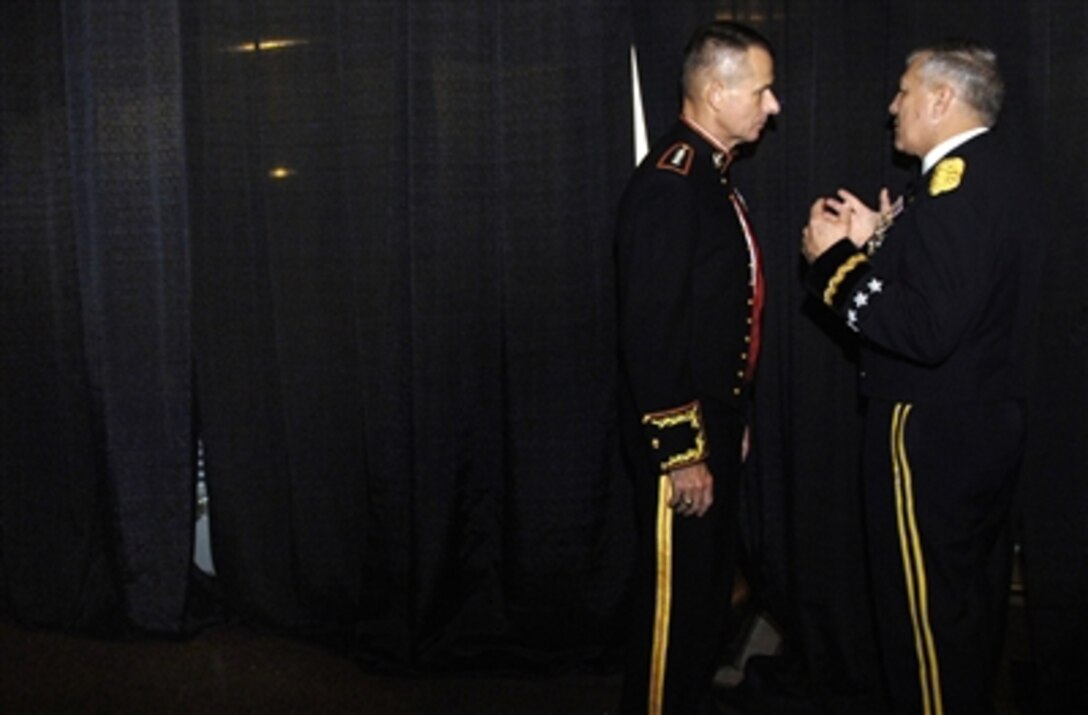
x=947, y=176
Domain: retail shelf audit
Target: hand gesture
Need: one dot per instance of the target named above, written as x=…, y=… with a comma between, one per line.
x=864, y=221
x=828, y=223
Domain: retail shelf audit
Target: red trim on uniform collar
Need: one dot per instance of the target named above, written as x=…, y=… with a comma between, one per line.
x=698, y=129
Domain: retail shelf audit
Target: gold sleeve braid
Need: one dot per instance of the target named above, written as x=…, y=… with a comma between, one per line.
x=840, y=275
x=674, y=446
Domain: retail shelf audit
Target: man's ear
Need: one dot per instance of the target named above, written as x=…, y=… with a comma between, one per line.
x=941, y=100
x=713, y=93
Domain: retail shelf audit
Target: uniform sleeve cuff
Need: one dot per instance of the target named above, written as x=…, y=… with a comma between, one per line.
x=835, y=273
x=677, y=436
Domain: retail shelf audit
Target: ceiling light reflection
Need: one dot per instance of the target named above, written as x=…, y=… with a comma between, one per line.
x=267, y=45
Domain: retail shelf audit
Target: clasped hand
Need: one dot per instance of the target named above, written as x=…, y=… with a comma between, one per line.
x=832, y=219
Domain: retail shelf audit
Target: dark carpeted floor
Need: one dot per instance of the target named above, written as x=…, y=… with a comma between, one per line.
x=232, y=669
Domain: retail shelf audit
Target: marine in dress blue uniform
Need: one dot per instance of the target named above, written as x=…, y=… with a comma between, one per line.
x=690, y=294
x=942, y=296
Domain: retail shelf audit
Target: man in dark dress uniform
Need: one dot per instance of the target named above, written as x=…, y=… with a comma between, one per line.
x=690, y=295
x=942, y=295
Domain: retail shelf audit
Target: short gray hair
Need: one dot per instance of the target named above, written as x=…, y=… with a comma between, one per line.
x=971, y=68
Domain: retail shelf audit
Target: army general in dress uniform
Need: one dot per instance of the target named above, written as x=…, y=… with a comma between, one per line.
x=690, y=295
x=942, y=295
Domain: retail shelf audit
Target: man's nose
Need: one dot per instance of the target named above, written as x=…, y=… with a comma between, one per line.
x=773, y=107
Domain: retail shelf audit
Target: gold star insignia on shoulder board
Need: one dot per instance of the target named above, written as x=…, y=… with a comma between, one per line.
x=947, y=176
x=677, y=158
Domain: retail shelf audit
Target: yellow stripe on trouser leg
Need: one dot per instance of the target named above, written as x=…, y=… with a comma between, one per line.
x=914, y=566
x=663, y=596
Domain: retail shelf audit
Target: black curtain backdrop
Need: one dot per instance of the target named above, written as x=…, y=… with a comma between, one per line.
x=368, y=243
x=95, y=487
x=404, y=345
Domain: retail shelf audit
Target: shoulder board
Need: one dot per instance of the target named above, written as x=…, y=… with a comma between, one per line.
x=677, y=158
x=947, y=175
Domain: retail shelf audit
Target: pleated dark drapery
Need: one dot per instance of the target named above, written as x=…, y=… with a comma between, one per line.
x=404, y=342
x=95, y=495
x=382, y=247
x=360, y=251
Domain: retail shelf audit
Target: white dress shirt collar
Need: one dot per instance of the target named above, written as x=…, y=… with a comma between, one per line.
x=937, y=153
